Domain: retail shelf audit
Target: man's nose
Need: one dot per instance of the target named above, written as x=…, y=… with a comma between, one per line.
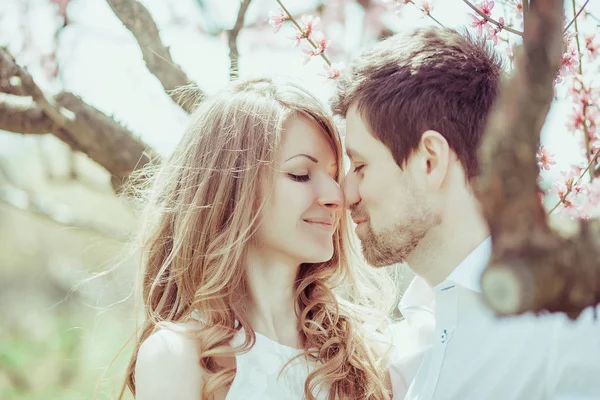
x=350, y=186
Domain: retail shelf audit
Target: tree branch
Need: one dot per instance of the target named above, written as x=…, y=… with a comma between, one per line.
x=493, y=21
x=10, y=84
x=532, y=268
x=139, y=22
x=56, y=114
x=232, y=35
x=576, y=15
x=20, y=115
x=78, y=124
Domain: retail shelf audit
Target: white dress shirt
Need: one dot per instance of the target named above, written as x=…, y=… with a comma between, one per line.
x=451, y=346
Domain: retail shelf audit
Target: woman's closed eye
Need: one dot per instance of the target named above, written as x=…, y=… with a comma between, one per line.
x=299, y=178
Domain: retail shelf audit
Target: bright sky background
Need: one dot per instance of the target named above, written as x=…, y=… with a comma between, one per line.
x=100, y=61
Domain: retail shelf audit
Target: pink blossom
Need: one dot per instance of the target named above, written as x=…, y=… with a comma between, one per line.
x=321, y=45
x=570, y=58
x=425, y=6
x=570, y=209
x=575, y=202
x=591, y=46
x=514, y=9
x=276, y=19
x=486, y=7
x=319, y=40
x=576, y=121
x=400, y=4
x=308, y=26
x=545, y=159
x=559, y=188
x=562, y=187
x=579, y=189
x=493, y=31
x=478, y=23
x=518, y=5
x=569, y=62
x=581, y=95
x=298, y=36
x=334, y=71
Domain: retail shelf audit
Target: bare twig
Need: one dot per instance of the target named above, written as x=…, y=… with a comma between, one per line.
x=493, y=21
x=428, y=14
x=156, y=55
x=576, y=15
x=232, y=40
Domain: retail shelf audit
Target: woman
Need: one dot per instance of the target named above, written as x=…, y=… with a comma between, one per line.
x=246, y=260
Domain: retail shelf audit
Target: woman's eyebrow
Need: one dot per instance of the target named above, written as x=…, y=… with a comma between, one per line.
x=311, y=158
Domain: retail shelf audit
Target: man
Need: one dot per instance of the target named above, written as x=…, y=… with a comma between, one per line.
x=415, y=109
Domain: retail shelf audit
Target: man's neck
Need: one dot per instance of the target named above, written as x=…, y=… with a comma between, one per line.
x=447, y=246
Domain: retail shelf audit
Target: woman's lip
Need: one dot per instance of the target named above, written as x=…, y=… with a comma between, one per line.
x=323, y=225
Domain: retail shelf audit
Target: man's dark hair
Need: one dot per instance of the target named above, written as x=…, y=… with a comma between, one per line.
x=432, y=78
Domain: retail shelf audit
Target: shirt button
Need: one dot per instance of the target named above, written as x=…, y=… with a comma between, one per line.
x=444, y=336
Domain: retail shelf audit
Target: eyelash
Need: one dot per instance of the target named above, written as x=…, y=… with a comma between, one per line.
x=357, y=169
x=299, y=178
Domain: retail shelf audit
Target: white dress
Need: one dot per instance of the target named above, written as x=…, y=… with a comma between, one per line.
x=257, y=372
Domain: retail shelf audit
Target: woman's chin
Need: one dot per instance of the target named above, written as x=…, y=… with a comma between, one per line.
x=314, y=256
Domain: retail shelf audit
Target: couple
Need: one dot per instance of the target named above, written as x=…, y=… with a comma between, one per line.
x=250, y=289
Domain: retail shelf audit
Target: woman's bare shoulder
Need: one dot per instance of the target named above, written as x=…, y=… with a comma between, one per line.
x=167, y=367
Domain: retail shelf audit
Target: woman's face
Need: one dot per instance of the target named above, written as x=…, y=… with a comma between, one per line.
x=300, y=218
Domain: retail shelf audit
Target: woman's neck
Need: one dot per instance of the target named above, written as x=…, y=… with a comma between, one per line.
x=272, y=309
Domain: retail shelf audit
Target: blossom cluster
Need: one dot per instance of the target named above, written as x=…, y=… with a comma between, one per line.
x=500, y=22
x=305, y=30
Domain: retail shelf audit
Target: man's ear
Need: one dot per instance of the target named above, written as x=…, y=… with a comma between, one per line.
x=434, y=157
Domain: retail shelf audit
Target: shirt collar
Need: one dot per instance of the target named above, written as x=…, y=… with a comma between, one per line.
x=419, y=295
x=468, y=273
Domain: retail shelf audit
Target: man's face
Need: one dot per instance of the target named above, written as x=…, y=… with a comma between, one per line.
x=388, y=204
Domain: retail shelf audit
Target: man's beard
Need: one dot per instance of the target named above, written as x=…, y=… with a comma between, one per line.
x=396, y=243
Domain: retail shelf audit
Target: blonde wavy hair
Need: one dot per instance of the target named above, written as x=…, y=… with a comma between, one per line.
x=204, y=210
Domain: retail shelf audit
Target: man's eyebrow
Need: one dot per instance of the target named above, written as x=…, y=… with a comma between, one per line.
x=311, y=158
